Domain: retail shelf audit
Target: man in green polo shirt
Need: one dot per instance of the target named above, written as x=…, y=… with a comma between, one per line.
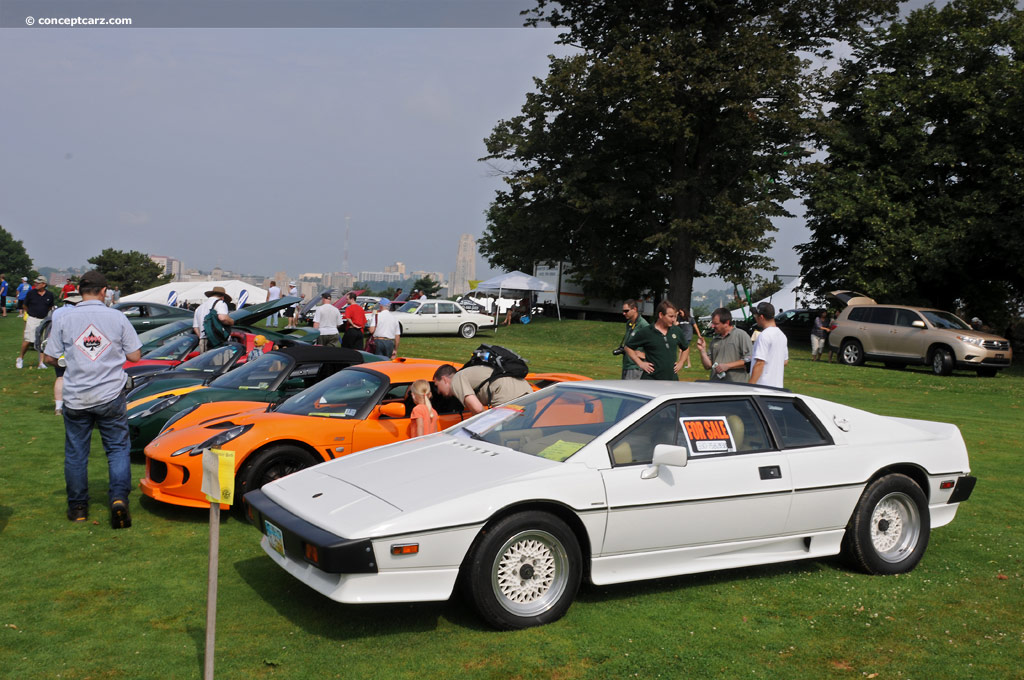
x=660, y=343
x=634, y=323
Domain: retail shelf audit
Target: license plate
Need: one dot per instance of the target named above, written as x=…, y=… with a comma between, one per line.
x=275, y=537
x=999, y=356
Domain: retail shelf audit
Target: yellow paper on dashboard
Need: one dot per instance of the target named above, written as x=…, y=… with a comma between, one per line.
x=219, y=476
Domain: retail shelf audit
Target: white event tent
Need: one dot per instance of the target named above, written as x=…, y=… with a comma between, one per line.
x=194, y=292
x=517, y=281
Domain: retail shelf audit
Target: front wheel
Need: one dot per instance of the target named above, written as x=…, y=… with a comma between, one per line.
x=851, y=353
x=942, y=362
x=268, y=465
x=524, y=571
x=889, y=530
x=467, y=330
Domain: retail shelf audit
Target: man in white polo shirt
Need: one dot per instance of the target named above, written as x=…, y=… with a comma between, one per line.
x=327, y=319
x=95, y=341
x=771, y=352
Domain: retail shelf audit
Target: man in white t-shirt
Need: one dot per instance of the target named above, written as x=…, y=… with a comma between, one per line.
x=273, y=293
x=217, y=299
x=771, y=353
x=386, y=330
x=327, y=319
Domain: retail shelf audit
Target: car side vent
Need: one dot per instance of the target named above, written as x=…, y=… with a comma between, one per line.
x=475, y=449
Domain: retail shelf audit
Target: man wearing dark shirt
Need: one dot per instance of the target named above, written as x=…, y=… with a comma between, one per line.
x=38, y=303
x=661, y=344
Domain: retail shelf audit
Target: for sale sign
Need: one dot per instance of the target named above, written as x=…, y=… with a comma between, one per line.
x=708, y=436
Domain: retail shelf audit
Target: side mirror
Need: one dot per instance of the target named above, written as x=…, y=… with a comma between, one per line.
x=917, y=323
x=665, y=454
x=395, y=409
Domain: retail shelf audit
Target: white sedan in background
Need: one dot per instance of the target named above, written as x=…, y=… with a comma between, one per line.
x=614, y=481
x=439, y=317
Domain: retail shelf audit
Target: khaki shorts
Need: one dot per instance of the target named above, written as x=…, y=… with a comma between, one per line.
x=31, y=324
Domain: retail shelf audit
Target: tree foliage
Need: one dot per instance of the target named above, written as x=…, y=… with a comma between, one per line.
x=14, y=259
x=920, y=198
x=666, y=143
x=130, y=271
x=427, y=285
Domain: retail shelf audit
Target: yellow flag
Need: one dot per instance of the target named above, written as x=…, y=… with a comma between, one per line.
x=219, y=476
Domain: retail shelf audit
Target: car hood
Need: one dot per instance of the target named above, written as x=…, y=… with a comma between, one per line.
x=250, y=314
x=398, y=479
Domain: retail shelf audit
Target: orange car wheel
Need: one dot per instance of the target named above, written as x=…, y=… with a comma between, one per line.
x=270, y=464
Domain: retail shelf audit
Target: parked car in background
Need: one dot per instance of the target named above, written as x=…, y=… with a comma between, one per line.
x=898, y=335
x=146, y=315
x=440, y=317
x=613, y=481
x=797, y=324
x=199, y=370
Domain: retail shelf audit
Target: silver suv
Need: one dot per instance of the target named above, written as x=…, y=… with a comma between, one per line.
x=899, y=335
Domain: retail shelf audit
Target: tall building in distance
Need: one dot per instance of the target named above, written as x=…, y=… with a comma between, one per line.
x=171, y=265
x=465, y=265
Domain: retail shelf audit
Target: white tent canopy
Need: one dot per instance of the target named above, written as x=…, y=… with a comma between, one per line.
x=514, y=281
x=194, y=292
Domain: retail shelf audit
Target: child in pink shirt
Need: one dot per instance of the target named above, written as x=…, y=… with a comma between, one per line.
x=423, y=414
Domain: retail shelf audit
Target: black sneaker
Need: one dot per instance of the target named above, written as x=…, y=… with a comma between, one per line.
x=120, y=518
x=78, y=513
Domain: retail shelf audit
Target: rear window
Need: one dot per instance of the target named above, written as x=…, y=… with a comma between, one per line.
x=794, y=426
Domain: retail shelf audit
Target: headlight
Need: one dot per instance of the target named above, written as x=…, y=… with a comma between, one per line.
x=176, y=417
x=221, y=438
x=971, y=340
x=158, y=405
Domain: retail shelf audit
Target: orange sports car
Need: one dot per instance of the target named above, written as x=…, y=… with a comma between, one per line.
x=355, y=409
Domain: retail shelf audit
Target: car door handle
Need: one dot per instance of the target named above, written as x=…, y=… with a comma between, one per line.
x=770, y=472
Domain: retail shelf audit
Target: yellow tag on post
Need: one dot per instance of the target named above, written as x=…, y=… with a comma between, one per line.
x=219, y=476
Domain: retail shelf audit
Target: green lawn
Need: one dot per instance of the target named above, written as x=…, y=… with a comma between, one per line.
x=89, y=602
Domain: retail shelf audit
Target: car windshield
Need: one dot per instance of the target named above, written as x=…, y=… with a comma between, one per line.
x=173, y=350
x=410, y=307
x=212, y=361
x=554, y=423
x=945, y=320
x=340, y=396
x=167, y=331
x=261, y=374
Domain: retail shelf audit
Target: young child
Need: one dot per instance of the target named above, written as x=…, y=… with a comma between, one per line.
x=423, y=414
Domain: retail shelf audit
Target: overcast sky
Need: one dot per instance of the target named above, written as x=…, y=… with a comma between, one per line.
x=247, y=148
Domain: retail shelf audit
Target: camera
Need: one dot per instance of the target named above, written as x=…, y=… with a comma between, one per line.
x=617, y=351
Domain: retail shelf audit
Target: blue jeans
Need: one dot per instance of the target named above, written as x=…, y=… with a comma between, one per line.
x=385, y=347
x=112, y=420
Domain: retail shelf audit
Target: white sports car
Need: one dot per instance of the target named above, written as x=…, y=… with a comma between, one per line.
x=438, y=317
x=617, y=481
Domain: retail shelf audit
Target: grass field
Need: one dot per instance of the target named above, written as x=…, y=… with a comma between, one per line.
x=89, y=602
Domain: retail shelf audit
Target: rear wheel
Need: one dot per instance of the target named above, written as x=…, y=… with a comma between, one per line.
x=851, y=353
x=270, y=464
x=942, y=361
x=524, y=571
x=889, y=530
x=467, y=330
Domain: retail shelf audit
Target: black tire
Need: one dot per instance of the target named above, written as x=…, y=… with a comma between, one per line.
x=524, y=571
x=942, y=361
x=267, y=465
x=987, y=372
x=889, y=530
x=851, y=353
x=467, y=330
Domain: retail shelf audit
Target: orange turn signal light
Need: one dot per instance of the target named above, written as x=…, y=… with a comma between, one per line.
x=405, y=548
x=312, y=554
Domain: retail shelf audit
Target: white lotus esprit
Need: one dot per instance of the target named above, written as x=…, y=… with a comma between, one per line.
x=618, y=481
x=439, y=317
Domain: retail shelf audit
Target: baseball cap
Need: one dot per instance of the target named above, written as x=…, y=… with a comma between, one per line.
x=92, y=279
x=40, y=279
x=326, y=296
x=384, y=303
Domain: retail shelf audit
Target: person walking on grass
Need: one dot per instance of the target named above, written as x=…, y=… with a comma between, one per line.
x=95, y=341
x=37, y=305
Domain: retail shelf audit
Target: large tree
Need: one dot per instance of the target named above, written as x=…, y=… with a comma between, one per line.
x=14, y=260
x=920, y=197
x=129, y=271
x=666, y=142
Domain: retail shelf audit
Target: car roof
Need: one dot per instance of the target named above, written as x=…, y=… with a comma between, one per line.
x=413, y=369
x=656, y=389
x=307, y=353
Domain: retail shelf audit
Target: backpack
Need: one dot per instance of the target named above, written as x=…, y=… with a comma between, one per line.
x=216, y=334
x=504, y=364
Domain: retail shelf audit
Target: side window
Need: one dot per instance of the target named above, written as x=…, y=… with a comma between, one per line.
x=905, y=317
x=446, y=308
x=637, y=444
x=156, y=311
x=725, y=426
x=858, y=314
x=882, y=315
x=793, y=424
x=302, y=377
x=132, y=312
x=428, y=309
